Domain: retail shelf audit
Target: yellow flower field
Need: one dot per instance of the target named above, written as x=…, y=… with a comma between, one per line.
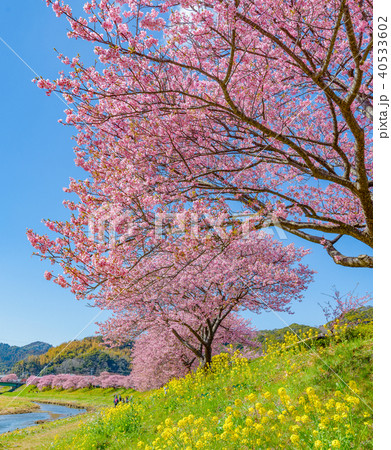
x=302, y=394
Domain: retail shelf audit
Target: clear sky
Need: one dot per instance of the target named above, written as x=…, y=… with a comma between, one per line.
x=36, y=163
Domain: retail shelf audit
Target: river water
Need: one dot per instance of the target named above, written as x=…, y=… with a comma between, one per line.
x=11, y=422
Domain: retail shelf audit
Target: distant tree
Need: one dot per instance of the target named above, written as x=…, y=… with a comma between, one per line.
x=10, y=378
x=199, y=286
x=10, y=355
x=32, y=380
x=72, y=365
x=72, y=382
x=341, y=305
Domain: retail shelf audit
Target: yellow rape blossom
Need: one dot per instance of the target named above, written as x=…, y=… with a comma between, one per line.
x=252, y=397
x=294, y=438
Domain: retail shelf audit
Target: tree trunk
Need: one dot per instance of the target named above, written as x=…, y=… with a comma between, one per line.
x=207, y=356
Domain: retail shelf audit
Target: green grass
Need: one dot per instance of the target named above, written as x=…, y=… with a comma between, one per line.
x=86, y=398
x=41, y=436
x=317, y=394
x=15, y=405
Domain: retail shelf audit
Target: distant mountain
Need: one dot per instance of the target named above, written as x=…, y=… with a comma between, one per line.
x=88, y=356
x=11, y=354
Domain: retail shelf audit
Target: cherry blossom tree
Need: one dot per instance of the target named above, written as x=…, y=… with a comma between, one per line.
x=158, y=356
x=69, y=382
x=64, y=381
x=45, y=382
x=11, y=377
x=85, y=381
x=198, y=287
x=264, y=105
x=342, y=304
x=32, y=380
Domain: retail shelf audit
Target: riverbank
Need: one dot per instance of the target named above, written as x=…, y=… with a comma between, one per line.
x=45, y=413
x=16, y=405
x=41, y=436
x=90, y=399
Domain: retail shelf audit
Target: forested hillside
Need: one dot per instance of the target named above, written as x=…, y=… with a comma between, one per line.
x=10, y=354
x=85, y=357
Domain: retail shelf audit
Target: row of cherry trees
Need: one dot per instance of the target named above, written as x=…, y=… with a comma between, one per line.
x=196, y=111
x=69, y=381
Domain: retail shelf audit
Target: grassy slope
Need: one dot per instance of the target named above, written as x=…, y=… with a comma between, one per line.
x=326, y=368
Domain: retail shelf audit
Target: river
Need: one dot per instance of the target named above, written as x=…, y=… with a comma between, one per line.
x=11, y=422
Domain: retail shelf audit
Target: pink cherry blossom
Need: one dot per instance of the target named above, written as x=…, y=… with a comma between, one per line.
x=265, y=104
x=198, y=112
x=10, y=378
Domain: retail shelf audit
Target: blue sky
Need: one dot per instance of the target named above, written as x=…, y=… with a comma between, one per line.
x=36, y=163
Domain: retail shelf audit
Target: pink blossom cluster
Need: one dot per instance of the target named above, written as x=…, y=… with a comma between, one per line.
x=341, y=304
x=70, y=381
x=196, y=289
x=264, y=103
x=257, y=106
x=158, y=356
x=9, y=378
